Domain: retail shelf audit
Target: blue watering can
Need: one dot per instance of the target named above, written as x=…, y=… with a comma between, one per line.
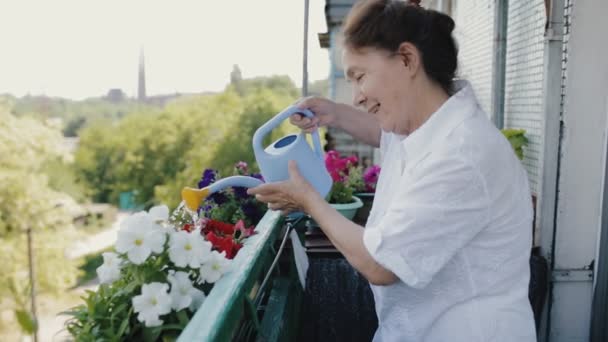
x=273, y=161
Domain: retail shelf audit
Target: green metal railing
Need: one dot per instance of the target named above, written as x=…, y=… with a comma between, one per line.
x=259, y=299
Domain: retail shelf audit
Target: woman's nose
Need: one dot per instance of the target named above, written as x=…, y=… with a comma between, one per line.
x=358, y=97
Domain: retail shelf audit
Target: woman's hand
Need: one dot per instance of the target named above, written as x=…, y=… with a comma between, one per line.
x=293, y=194
x=360, y=124
x=325, y=114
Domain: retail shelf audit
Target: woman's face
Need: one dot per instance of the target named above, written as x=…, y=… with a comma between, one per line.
x=381, y=85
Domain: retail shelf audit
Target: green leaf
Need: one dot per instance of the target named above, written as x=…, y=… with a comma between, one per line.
x=183, y=318
x=124, y=324
x=151, y=334
x=26, y=321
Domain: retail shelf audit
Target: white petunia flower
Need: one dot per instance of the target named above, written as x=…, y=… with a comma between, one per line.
x=153, y=302
x=183, y=294
x=109, y=271
x=139, y=236
x=213, y=269
x=188, y=249
x=159, y=213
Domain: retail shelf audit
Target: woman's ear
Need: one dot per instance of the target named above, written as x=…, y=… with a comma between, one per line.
x=410, y=56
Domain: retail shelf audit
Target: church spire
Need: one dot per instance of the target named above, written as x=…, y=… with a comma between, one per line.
x=141, y=86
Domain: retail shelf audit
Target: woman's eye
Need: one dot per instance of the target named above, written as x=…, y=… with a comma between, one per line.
x=359, y=77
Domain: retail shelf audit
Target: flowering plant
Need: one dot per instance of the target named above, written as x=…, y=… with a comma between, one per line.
x=234, y=204
x=370, y=178
x=162, y=267
x=346, y=176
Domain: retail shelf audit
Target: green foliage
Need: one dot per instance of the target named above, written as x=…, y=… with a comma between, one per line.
x=340, y=193
x=26, y=199
x=159, y=153
x=26, y=321
x=108, y=314
x=75, y=115
x=54, y=272
x=62, y=177
x=280, y=85
x=518, y=140
x=355, y=179
x=96, y=158
x=88, y=264
x=230, y=206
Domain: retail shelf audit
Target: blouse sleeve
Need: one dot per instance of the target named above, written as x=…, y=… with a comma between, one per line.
x=429, y=220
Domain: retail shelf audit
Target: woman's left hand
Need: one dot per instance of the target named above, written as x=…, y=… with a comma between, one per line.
x=293, y=194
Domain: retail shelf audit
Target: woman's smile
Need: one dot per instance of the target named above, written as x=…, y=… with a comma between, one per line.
x=374, y=109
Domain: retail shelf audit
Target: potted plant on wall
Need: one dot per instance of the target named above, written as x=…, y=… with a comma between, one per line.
x=518, y=140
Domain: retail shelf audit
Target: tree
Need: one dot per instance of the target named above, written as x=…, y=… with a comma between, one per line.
x=25, y=197
x=159, y=153
x=77, y=114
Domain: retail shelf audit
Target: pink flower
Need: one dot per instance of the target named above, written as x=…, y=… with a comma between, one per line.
x=370, y=177
x=241, y=168
x=243, y=232
x=338, y=167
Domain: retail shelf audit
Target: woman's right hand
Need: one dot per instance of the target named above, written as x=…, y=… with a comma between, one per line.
x=325, y=113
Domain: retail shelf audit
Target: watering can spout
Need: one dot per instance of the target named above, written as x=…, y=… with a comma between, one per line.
x=193, y=197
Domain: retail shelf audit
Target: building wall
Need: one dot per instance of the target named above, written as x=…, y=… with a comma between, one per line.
x=581, y=171
x=524, y=78
x=474, y=28
x=474, y=33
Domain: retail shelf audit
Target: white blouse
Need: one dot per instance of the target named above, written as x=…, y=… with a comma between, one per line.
x=452, y=219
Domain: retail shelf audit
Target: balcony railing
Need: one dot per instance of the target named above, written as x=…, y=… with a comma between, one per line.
x=259, y=298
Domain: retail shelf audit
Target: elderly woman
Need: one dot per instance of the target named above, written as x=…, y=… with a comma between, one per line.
x=447, y=243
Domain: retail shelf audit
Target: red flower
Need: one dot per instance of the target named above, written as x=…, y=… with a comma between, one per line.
x=188, y=227
x=224, y=244
x=218, y=227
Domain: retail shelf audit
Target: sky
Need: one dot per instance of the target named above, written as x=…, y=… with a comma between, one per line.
x=78, y=49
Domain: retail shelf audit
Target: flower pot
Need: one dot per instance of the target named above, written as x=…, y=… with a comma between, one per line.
x=348, y=210
x=362, y=214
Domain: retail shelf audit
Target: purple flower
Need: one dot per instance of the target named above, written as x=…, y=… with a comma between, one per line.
x=251, y=211
x=219, y=198
x=207, y=178
x=240, y=192
x=370, y=177
x=258, y=176
x=204, y=210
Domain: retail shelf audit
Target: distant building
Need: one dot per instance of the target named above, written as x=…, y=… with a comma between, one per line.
x=116, y=95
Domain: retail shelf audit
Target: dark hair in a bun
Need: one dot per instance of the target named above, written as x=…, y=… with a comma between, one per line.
x=386, y=24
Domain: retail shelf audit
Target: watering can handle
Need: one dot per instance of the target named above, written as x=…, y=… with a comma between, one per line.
x=277, y=120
